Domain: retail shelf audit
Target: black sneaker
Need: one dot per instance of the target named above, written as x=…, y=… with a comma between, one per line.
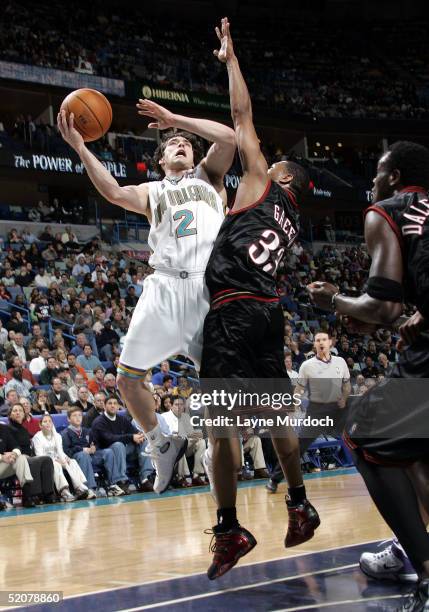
x=272, y=486
x=419, y=600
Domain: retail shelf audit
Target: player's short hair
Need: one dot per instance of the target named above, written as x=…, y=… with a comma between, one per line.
x=412, y=160
x=301, y=179
x=197, y=147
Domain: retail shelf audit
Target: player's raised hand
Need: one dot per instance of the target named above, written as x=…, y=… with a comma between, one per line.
x=226, y=51
x=164, y=118
x=68, y=131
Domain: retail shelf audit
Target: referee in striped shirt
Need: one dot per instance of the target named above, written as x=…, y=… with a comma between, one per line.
x=326, y=377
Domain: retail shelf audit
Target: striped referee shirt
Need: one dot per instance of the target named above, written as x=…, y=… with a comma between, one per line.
x=324, y=379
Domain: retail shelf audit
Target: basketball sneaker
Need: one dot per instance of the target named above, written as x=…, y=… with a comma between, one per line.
x=165, y=458
x=419, y=600
x=303, y=520
x=272, y=486
x=391, y=563
x=228, y=547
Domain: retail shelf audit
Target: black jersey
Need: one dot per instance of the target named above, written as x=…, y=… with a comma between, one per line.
x=407, y=212
x=252, y=242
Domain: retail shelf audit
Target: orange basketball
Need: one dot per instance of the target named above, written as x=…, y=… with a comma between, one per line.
x=92, y=112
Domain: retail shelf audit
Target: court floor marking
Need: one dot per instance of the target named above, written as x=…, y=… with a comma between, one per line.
x=327, y=604
x=181, y=576
x=242, y=587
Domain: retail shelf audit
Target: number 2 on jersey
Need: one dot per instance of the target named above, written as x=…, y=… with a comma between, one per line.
x=183, y=229
x=264, y=252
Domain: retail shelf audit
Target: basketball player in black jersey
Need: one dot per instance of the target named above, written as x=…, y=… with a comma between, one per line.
x=388, y=426
x=243, y=332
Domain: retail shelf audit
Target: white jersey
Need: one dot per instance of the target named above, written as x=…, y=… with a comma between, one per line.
x=186, y=217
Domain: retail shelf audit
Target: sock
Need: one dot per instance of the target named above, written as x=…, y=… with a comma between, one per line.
x=297, y=495
x=227, y=518
x=154, y=437
x=210, y=449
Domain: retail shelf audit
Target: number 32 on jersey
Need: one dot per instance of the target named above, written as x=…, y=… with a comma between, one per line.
x=265, y=252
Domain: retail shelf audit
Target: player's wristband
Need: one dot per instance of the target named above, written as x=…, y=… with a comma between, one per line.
x=333, y=301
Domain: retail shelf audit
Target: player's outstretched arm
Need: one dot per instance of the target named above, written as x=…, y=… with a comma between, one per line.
x=131, y=197
x=382, y=303
x=220, y=155
x=252, y=160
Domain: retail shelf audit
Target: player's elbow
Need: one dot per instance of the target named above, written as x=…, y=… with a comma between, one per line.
x=388, y=312
x=241, y=112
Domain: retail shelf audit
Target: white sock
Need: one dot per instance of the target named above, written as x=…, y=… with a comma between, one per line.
x=210, y=449
x=155, y=436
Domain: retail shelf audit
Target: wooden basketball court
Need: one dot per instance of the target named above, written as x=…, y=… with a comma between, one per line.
x=143, y=552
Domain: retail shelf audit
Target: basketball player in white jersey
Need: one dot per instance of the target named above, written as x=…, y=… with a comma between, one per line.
x=185, y=211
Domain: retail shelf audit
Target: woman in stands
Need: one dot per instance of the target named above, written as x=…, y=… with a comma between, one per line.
x=41, y=489
x=61, y=357
x=40, y=406
x=48, y=442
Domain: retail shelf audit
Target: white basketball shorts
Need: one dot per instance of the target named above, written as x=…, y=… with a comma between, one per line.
x=168, y=320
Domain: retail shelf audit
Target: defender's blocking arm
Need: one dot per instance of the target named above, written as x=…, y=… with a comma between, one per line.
x=252, y=160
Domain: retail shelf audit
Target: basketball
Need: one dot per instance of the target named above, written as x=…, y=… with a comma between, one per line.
x=92, y=112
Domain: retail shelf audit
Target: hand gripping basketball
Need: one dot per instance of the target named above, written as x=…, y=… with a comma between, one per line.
x=68, y=131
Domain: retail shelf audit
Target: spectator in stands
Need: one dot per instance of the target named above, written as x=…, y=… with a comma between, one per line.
x=49, y=443
x=384, y=366
x=110, y=427
x=183, y=388
x=131, y=298
x=11, y=399
x=75, y=369
x=78, y=444
x=253, y=446
x=370, y=370
x=178, y=422
x=8, y=280
x=42, y=279
x=97, y=383
x=49, y=254
x=21, y=386
x=69, y=238
x=50, y=372
x=35, y=335
x=16, y=349
x=114, y=368
x=26, y=373
x=40, y=405
x=4, y=293
x=3, y=334
x=24, y=278
x=82, y=400
x=41, y=489
x=88, y=361
x=111, y=390
x=40, y=363
x=61, y=357
x=13, y=462
x=46, y=235
x=158, y=378
x=105, y=340
x=31, y=424
x=58, y=398
x=81, y=341
x=293, y=374
x=16, y=323
x=97, y=409
x=80, y=268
